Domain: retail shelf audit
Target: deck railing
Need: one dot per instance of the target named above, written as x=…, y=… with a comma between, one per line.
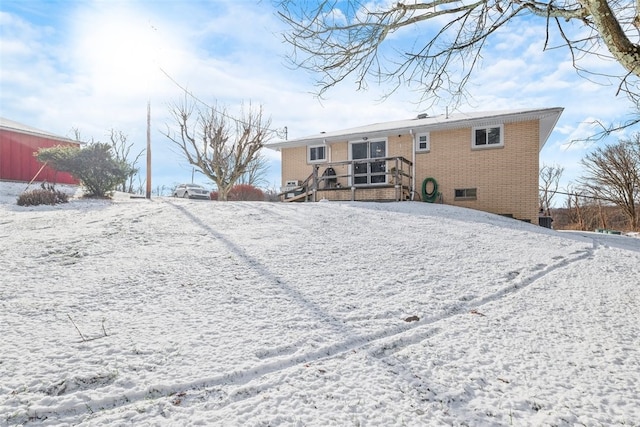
x=378, y=172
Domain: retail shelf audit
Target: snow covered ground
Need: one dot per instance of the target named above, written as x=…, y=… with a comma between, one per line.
x=178, y=312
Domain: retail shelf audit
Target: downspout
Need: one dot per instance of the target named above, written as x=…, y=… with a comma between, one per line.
x=413, y=167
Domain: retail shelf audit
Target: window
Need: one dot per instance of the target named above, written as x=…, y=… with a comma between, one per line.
x=422, y=142
x=488, y=137
x=369, y=171
x=465, y=194
x=317, y=154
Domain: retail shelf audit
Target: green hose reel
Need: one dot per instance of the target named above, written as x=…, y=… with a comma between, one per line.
x=430, y=196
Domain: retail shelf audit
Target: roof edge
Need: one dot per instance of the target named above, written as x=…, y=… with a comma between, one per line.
x=440, y=122
x=17, y=127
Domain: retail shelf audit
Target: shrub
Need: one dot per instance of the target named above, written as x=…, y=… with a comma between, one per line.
x=246, y=192
x=242, y=192
x=43, y=196
x=94, y=165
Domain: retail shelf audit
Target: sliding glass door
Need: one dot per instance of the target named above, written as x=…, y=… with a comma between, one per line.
x=369, y=170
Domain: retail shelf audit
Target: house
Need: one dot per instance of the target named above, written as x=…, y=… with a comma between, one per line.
x=18, y=143
x=487, y=161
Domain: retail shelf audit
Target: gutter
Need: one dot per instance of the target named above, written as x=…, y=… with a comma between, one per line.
x=432, y=123
x=413, y=161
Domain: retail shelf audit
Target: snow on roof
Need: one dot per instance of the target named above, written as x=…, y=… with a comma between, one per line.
x=22, y=128
x=548, y=118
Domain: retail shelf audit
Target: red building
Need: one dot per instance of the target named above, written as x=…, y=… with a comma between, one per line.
x=18, y=143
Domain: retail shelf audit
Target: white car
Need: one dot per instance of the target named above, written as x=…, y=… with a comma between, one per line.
x=191, y=191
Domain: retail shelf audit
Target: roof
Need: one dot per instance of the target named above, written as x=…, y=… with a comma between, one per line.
x=548, y=118
x=11, y=125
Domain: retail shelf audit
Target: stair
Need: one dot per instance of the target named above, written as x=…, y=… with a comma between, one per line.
x=299, y=198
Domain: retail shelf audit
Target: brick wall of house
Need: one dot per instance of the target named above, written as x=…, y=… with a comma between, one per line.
x=505, y=178
x=294, y=164
x=296, y=167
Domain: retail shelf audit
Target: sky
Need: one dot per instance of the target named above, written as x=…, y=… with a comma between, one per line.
x=94, y=65
x=174, y=312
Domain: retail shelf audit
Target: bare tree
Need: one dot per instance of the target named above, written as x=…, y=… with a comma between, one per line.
x=219, y=146
x=256, y=171
x=337, y=39
x=585, y=213
x=579, y=207
x=122, y=151
x=549, y=183
x=77, y=136
x=612, y=173
x=573, y=207
x=606, y=129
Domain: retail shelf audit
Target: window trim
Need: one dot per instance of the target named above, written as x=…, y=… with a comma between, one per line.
x=475, y=146
x=417, y=142
x=326, y=153
x=473, y=196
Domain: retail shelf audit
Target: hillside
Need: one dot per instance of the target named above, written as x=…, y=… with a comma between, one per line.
x=178, y=312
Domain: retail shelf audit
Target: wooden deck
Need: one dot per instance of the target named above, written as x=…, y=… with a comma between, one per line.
x=382, y=193
x=336, y=185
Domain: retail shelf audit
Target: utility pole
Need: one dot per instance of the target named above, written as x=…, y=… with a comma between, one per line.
x=148, y=150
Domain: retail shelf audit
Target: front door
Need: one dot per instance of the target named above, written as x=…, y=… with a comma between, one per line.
x=369, y=170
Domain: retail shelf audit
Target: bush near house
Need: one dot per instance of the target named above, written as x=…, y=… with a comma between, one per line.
x=242, y=192
x=47, y=195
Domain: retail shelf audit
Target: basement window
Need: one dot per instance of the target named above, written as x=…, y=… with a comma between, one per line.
x=487, y=137
x=465, y=194
x=317, y=154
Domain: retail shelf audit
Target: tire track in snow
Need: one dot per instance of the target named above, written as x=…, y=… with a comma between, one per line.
x=529, y=280
x=477, y=303
x=453, y=310
x=379, y=344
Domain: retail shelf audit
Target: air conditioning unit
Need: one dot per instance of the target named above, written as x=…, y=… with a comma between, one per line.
x=291, y=188
x=290, y=185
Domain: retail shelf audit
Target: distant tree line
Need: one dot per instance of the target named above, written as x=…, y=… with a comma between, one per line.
x=606, y=196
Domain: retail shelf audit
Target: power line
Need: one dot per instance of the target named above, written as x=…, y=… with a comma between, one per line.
x=222, y=113
x=579, y=195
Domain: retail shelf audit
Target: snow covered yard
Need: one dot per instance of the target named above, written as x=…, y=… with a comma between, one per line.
x=178, y=312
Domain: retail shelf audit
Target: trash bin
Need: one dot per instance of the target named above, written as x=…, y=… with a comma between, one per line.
x=545, y=221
